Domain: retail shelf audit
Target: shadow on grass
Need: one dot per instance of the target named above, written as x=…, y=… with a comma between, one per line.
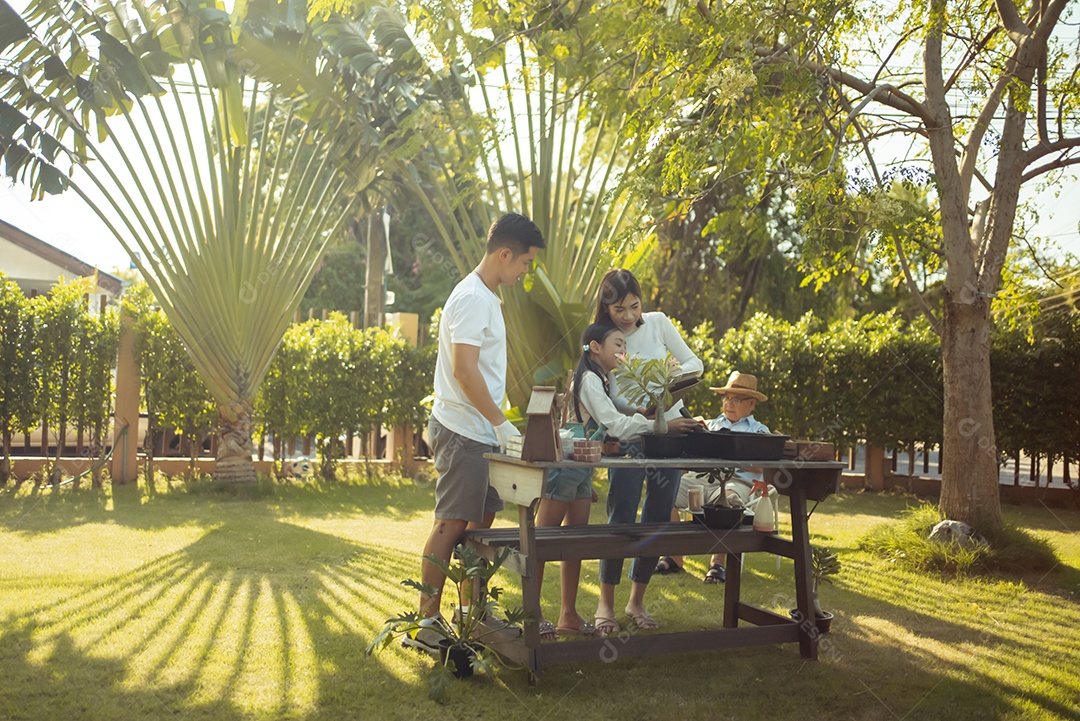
x=66, y=682
x=258, y=617
x=1016, y=646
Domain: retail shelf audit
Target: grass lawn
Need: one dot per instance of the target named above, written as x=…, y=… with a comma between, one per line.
x=190, y=606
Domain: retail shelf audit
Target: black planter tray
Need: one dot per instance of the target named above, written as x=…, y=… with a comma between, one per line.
x=663, y=445
x=735, y=445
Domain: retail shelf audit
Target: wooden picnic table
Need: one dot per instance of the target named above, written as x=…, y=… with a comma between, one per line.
x=522, y=482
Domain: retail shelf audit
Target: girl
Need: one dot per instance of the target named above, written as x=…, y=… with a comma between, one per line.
x=568, y=495
x=648, y=335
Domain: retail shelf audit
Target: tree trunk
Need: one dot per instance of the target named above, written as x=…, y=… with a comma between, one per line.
x=148, y=445
x=969, y=483
x=99, y=450
x=375, y=278
x=5, y=462
x=55, y=470
x=234, y=447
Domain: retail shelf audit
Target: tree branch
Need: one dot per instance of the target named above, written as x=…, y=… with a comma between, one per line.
x=905, y=266
x=972, y=54
x=1040, y=151
x=894, y=98
x=1040, y=103
x=1014, y=24
x=896, y=46
x=978, y=131
x=854, y=113
x=1059, y=163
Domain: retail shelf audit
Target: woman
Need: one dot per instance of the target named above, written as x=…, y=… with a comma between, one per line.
x=648, y=335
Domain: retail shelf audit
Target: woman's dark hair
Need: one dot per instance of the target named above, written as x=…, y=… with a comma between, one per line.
x=596, y=332
x=616, y=285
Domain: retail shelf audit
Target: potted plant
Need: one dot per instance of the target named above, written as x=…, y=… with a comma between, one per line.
x=823, y=564
x=464, y=646
x=646, y=382
x=725, y=511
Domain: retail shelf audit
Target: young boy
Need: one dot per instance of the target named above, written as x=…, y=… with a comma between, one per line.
x=470, y=383
x=741, y=397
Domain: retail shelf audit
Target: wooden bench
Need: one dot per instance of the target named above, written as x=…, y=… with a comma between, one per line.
x=522, y=482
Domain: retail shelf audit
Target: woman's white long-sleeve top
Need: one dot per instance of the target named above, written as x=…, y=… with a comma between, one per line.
x=655, y=338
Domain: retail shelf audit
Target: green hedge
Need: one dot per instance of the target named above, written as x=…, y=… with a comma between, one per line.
x=58, y=360
x=879, y=379
x=173, y=396
x=329, y=380
x=874, y=379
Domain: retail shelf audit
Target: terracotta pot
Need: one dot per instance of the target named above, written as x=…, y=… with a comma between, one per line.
x=586, y=451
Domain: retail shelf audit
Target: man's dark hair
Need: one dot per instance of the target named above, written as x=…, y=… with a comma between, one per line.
x=516, y=232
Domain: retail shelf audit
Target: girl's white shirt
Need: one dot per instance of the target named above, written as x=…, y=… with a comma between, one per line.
x=596, y=404
x=655, y=338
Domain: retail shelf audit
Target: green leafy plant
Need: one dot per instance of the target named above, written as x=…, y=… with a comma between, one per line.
x=722, y=476
x=647, y=381
x=20, y=383
x=470, y=574
x=823, y=563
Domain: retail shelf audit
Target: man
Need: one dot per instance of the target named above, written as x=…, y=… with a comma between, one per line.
x=466, y=419
x=741, y=397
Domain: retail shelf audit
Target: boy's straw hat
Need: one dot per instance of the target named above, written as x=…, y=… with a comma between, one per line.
x=743, y=383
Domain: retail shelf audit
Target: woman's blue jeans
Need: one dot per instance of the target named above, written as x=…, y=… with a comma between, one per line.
x=624, y=494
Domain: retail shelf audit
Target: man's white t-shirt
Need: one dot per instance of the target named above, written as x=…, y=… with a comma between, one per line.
x=473, y=316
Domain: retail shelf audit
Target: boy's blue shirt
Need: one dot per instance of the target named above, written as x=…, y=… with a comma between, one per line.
x=743, y=425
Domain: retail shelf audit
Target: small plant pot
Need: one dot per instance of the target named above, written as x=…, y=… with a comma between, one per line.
x=823, y=622
x=612, y=447
x=722, y=516
x=460, y=658
x=663, y=445
x=586, y=451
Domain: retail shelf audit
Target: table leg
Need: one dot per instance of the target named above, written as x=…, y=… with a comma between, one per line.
x=800, y=536
x=731, y=592
x=530, y=589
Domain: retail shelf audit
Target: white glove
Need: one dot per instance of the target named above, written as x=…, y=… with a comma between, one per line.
x=505, y=431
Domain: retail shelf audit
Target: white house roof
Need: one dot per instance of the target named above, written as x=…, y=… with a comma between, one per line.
x=35, y=265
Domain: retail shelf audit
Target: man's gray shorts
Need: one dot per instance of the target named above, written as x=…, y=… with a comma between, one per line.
x=462, y=491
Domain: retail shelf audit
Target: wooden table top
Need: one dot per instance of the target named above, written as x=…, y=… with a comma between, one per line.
x=686, y=464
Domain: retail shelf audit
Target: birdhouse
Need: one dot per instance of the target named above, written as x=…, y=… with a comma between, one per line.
x=542, y=432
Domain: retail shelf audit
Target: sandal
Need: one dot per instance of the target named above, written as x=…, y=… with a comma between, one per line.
x=547, y=631
x=715, y=574
x=667, y=565
x=643, y=621
x=605, y=626
x=586, y=629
